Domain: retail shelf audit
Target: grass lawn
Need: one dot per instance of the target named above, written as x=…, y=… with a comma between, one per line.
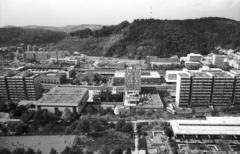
x=109, y=138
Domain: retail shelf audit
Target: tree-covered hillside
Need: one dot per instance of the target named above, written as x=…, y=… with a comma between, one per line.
x=164, y=38
x=13, y=36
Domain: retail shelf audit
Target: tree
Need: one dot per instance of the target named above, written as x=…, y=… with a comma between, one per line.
x=141, y=111
x=53, y=151
x=29, y=151
x=39, y=152
x=4, y=130
x=112, y=125
x=68, y=130
x=3, y=106
x=21, y=128
x=96, y=126
x=193, y=111
x=127, y=128
x=84, y=125
x=89, y=152
x=66, y=115
x=96, y=98
x=5, y=151
x=18, y=151
x=119, y=125
x=214, y=112
x=129, y=151
x=104, y=150
x=117, y=151
x=168, y=132
x=27, y=116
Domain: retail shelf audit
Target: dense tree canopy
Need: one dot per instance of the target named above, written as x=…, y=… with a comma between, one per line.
x=105, y=31
x=13, y=36
x=165, y=38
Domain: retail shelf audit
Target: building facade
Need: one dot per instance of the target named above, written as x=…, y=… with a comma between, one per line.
x=218, y=60
x=132, y=85
x=17, y=86
x=207, y=88
x=53, y=78
x=171, y=76
x=61, y=97
x=147, y=78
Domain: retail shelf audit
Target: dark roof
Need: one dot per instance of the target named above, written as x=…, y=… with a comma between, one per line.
x=170, y=60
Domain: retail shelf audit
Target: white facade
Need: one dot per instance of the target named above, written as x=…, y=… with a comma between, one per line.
x=218, y=60
x=191, y=63
x=171, y=76
x=195, y=57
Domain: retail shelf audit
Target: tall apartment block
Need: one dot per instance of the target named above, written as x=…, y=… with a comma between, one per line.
x=207, y=88
x=17, y=86
x=132, y=84
x=218, y=60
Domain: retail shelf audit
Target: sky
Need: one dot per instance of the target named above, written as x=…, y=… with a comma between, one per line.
x=110, y=12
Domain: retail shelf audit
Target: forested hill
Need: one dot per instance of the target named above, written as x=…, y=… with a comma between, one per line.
x=138, y=39
x=164, y=38
x=14, y=35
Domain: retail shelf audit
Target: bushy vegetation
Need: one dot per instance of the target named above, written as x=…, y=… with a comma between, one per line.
x=165, y=38
x=13, y=36
x=105, y=31
x=107, y=96
x=89, y=77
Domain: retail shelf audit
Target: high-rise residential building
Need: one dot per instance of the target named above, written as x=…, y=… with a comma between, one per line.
x=132, y=84
x=133, y=78
x=207, y=88
x=17, y=86
x=218, y=60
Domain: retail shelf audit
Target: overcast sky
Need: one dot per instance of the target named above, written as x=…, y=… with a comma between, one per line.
x=108, y=12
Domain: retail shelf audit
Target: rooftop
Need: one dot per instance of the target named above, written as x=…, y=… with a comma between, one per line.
x=210, y=126
x=144, y=74
x=62, y=95
x=16, y=74
x=170, y=60
x=199, y=74
x=220, y=74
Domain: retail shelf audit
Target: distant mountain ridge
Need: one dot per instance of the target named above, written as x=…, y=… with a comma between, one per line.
x=68, y=28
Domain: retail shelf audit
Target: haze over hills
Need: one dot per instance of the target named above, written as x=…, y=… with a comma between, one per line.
x=138, y=39
x=68, y=28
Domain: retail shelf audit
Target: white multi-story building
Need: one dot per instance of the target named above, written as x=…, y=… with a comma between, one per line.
x=218, y=60
x=207, y=87
x=171, y=76
x=192, y=58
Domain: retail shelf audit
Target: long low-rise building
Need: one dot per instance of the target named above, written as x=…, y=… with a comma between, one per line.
x=211, y=127
x=147, y=77
x=61, y=97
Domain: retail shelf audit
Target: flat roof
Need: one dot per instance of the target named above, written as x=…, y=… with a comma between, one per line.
x=199, y=74
x=144, y=74
x=210, y=126
x=62, y=96
x=220, y=74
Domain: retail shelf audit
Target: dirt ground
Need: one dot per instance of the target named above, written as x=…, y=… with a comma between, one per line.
x=43, y=143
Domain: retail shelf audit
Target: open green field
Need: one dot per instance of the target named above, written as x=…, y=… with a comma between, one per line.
x=43, y=143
